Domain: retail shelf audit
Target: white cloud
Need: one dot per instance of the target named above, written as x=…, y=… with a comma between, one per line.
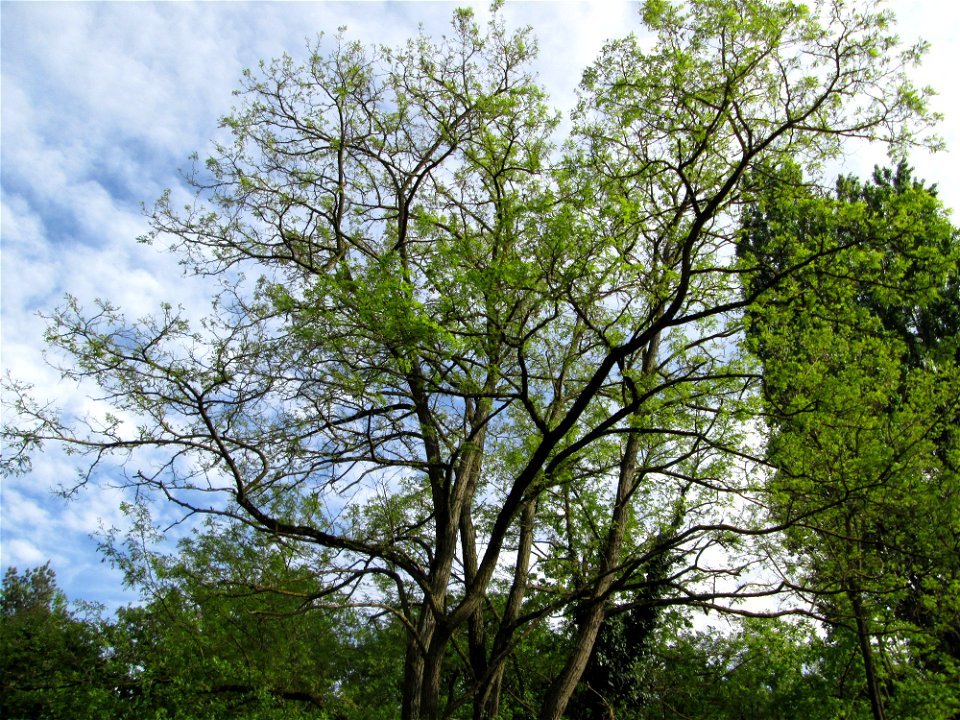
x=26, y=511
x=22, y=554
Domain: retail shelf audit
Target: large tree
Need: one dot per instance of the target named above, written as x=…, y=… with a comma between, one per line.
x=484, y=382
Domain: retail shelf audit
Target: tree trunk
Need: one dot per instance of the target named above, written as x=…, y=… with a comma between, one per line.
x=563, y=686
x=432, y=677
x=488, y=699
x=413, y=666
x=866, y=652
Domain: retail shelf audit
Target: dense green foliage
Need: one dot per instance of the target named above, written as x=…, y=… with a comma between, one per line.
x=860, y=352
x=477, y=404
x=51, y=662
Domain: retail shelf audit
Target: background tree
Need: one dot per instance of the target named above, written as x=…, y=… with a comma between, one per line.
x=52, y=663
x=483, y=382
x=216, y=636
x=230, y=627
x=751, y=668
x=861, y=381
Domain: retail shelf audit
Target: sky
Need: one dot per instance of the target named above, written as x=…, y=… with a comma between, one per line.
x=102, y=103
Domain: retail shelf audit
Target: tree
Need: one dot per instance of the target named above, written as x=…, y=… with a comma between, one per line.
x=860, y=353
x=51, y=662
x=487, y=383
x=201, y=646
x=754, y=668
x=230, y=626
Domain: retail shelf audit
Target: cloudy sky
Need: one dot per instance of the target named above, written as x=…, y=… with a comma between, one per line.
x=103, y=102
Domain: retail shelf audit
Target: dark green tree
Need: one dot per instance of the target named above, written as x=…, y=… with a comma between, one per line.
x=231, y=625
x=777, y=669
x=52, y=663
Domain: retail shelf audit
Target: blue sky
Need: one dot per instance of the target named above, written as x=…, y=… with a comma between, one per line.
x=103, y=102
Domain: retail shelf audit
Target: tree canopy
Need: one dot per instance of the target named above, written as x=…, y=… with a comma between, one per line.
x=861, y=389
x=484, y=384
